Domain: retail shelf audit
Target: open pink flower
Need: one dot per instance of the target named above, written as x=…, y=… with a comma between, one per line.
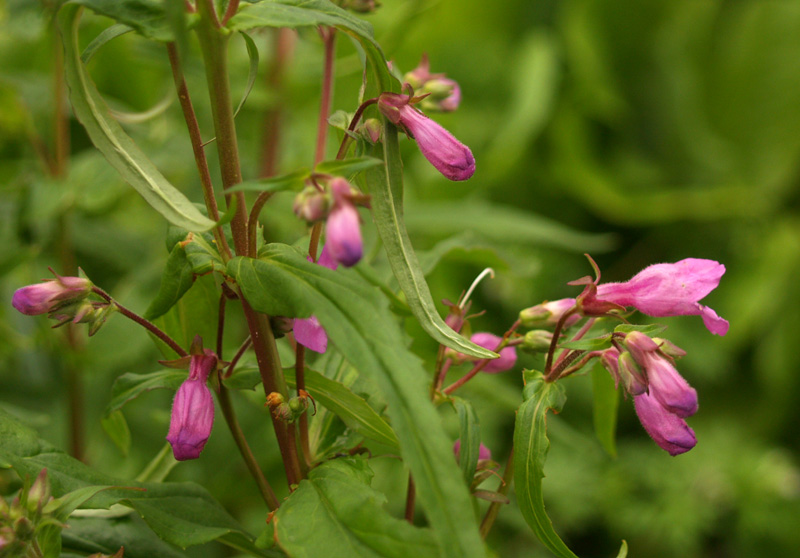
x=193, y=409
x=672, y=289
x=450, y=157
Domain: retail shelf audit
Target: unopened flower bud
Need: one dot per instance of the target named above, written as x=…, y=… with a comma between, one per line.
x=39, y=493
x=547, y=314
x=448, y=155
x=669, y=348
x=193, y=409
x=633, y=377
x=274, y=399
x=440, y=93
x=371, y=130
x=343, y=230
x=508, y=355
x=537, y=341
x=311, y=205
x=51, y=295
x=640, y=345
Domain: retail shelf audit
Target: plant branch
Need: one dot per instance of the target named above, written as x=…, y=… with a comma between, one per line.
x=241, y=442
x=252, y=223
x=147, y=324
x=494, y=508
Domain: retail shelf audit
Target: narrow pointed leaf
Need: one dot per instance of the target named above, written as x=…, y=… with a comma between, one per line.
x=385, y=185
x=176, y=279
x=470, y=436
x=112, y=141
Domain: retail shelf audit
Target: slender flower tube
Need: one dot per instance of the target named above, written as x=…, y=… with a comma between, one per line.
x=51, y=295
x=671, y=289
x=450, y=157
x=193, y=409
x=666, y=429
x=508, y=355
x=308, y=331
x=343, y=230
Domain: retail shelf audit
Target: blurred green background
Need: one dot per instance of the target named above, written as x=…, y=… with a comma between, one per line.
x=639, y=132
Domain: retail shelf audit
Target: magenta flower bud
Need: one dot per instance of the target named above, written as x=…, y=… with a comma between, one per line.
x=508, y=355
x=448, y=155
x=668, y=430
x=193, y=409
x=442, y=94
x=640, y=345
x=484, y=453
x=672, y=289
x=547, y=314
x=632, y=376
x=308, y=331
x=311, y=205
x=46, y=297
x=669, y=387
x=343, y=230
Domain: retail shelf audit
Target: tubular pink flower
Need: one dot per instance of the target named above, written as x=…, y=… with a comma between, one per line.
x=668, y=430
x=672, y=289
x=308, y=331
x=46, y=297
x=448, y=155
x=343, y=229
x=508, y=355
x=193, y=409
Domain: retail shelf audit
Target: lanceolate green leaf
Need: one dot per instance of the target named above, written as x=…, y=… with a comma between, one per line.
x=176, y=279
x=112, y=141
x=283, y=282
x=336, y=514
x=352, y=409
x=470, y=437
x=530, y=452
x=130, y=386
x=385, y=185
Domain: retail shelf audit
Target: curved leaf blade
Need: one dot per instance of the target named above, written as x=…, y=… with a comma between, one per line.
x=385, y=185
x=530, y=447
x=112, y=141
x=470, y=436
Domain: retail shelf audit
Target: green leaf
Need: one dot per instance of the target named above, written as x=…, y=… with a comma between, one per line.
x=130, y=386
x=195, y=313
x=62, y=507
x=398, y=305
x=336, y=514
x=347, y=167
x=470, y=436
x=530, y=451
x=292, y=181
x=282, y=282
x=647, y=329
x=183, y=514
x=176, y=279
x=203, y=255
x=354, y=411
x=147, y=17
x=385, y=185
x=107, y=535
x=605, y=401
x=117, y=429
x=112, y=141
x=105, y=36
x=252, y=53
x=593, y=344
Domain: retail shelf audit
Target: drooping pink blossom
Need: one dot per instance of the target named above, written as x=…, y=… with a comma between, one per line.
x=448, y=155
x=667, y=429
x=671, y=289
x=343, y=229
x=193, y=409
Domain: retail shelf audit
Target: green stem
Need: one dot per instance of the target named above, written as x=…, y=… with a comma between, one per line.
x=241, y=442
x=214, y=47
x=494, y=508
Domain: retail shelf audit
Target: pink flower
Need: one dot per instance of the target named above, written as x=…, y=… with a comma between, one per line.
x=508, y=355
x=668, y=430
x=450, y=157
x=308, y=331
x=193, y=409
x=343, y=229
x=484, y=453
x=670, y=290
x=51, y=295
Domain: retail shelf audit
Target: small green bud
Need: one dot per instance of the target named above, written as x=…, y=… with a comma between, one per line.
x=631, y=374
x=669, y=348
x=537, y=341
x=39, y=493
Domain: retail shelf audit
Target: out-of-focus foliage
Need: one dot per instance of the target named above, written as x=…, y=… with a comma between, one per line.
x=672, y=124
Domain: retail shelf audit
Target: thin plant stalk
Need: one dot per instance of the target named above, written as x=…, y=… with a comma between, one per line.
x=494, y=508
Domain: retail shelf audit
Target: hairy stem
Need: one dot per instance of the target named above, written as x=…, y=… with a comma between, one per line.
x=238, y=436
